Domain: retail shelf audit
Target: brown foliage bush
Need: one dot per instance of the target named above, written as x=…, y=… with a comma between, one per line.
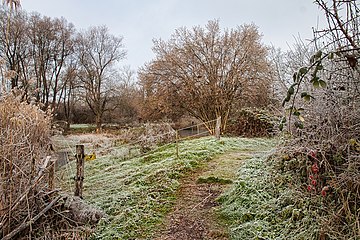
x=252, y=122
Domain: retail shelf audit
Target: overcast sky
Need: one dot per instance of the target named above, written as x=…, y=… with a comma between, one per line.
x=140, y=21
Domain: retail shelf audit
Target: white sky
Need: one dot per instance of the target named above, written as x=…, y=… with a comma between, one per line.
x=140, y=21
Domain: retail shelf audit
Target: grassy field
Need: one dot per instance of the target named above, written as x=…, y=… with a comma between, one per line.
x=137, y=193
x=262, y=201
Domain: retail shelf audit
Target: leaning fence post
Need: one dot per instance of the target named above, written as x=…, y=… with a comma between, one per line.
x=79, y=178
x=217, y=129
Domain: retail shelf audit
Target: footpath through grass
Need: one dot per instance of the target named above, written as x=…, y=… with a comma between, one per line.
x=136, y=194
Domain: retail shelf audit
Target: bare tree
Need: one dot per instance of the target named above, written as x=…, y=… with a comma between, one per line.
x=98, y=51
x=125, y=97
x=51, y=45
x=286, y=63
x=70, y=84
x=13, y=4
x=14, y=47
x=205, y=71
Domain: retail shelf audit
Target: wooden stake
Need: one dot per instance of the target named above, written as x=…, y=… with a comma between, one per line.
x=177, y=145
x=79, y=178
x=51, y=175
x=217, y=129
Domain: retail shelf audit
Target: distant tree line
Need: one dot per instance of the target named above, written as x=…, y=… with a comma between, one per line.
x=57, y=66
x=203, y=72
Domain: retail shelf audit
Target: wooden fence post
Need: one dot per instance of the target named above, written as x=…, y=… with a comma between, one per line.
x=218, y=127
x=51, y=175
x=177, y=144
x=79, y=178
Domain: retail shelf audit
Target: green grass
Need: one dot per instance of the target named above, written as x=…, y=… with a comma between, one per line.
x=137, y=193
x=81, y=128
x=223, y=169
x=213, y=179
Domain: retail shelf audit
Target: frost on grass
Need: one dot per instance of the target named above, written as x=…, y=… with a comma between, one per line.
x=263, y=204
x=137, y=193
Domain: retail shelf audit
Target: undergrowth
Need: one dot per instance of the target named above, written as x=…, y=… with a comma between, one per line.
x=136, y=194
x=269, y=203
x=253, y=122
x=30, y=207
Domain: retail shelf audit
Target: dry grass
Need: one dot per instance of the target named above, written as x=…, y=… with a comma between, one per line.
x=29, y=206
x=24, y=138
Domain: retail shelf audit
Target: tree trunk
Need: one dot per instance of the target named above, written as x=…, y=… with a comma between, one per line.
x=98, y=122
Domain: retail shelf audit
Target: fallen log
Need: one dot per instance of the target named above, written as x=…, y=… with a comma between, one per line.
x=81, y=212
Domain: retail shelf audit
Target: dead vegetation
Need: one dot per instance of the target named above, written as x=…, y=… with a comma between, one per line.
x=30, y=207
x=253, y=122
x=326, y=139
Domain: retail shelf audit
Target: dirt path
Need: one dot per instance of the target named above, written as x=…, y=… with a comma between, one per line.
x=194, y=215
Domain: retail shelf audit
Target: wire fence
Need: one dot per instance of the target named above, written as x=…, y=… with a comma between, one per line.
x=95, y=144
x=102, y=145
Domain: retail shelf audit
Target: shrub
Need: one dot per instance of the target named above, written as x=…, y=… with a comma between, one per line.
x=252, y=122
x=149, y=135
x=324, y=107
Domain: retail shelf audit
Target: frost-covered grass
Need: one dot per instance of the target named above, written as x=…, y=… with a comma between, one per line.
x=264, y=203
x=137, y=193
x=76, y=126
